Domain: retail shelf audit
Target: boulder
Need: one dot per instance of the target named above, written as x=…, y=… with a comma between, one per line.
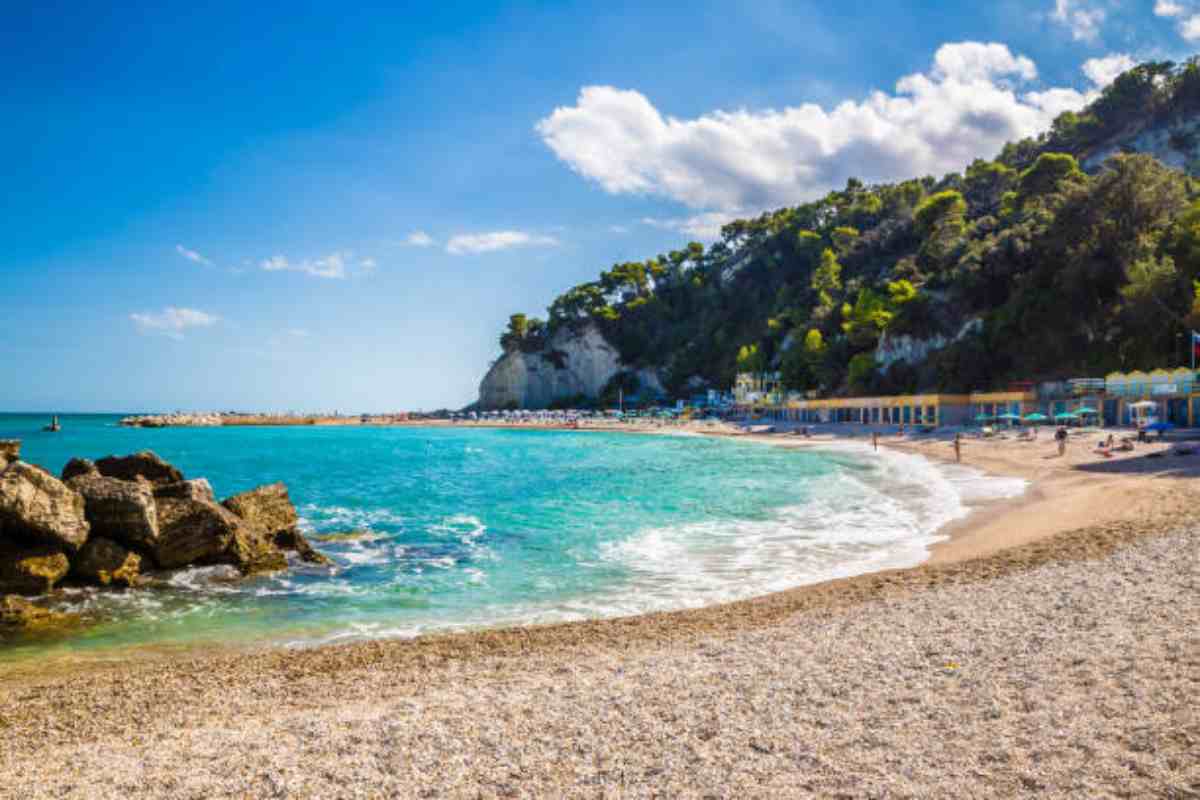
x=30, y=569
x=105, y=562
x=36, y=506
x=268, y=511
x=18, y=614
x=195, y=489
x=194, y=532
x=117, y=509
x=77, y=467
x=145, y=464
x=10, y=451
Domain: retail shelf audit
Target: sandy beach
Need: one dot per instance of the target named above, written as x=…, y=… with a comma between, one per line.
x=1050, y=647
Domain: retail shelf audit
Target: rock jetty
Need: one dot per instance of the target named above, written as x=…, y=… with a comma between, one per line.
x=173, y=421
x=108, y=523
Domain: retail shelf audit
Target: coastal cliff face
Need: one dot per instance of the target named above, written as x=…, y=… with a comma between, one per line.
x=574, y=364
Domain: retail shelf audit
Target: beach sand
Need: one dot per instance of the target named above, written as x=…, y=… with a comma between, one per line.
x=1051, y=647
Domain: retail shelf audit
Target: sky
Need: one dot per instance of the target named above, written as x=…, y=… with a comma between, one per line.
x=336, y=207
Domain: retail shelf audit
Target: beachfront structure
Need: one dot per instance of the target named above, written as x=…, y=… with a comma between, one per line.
x=995, y=405
x=752, y=389
x=1177, y=393
x=920, y=409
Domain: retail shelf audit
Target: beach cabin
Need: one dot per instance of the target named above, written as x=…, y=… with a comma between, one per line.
x=1175, y=392
x=927, y=409
x=996, y=406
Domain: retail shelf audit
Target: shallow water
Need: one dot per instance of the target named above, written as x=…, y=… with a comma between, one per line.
x=459, y=528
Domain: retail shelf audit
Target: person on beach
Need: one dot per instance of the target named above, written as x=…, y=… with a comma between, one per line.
x=958, y=448
x=875, y=439
x=1060, y=436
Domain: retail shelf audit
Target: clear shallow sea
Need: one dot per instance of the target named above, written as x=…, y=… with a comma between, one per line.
x=470, y=527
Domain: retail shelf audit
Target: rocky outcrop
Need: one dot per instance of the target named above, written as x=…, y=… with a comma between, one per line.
x=119, y=510
x=37, y=507
x=10, y=451
x=104, y=562
x=194, y=532
x=144, y=464
x=194, y=489
x=910, y=349
x=18, y=615
x=574, y=363
x=268, y=510
x=31, y=569
x=78, y=467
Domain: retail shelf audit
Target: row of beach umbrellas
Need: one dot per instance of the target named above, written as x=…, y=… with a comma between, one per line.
x=1037, y=416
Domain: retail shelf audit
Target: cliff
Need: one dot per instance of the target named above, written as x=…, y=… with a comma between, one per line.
x=572, y=364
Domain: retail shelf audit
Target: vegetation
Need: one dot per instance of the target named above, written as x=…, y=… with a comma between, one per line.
x=1069, y=273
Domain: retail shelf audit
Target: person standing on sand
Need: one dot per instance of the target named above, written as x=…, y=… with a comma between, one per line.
x=1060, y=436
x=875, y=439
x=958, y=448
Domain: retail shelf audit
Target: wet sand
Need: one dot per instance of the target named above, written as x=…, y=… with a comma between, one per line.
x=1051, y=647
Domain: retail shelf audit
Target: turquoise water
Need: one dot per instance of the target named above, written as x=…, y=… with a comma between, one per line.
x=470, y=527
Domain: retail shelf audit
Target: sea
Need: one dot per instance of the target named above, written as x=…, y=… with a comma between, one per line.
x=445, y=529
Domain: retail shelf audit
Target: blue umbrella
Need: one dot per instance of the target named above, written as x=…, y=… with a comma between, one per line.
x=1159, y=426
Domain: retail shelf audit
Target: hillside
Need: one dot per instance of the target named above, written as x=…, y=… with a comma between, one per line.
x=1073, y=253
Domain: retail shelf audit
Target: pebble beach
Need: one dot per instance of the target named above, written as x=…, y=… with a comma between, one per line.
x=1061, y=664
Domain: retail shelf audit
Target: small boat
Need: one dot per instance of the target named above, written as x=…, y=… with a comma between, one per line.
x=53, y=427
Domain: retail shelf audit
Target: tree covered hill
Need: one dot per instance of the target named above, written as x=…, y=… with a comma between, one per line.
x=1025, y=267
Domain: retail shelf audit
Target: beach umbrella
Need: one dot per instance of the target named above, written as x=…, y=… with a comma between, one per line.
x=1009, y=416
x=1086, y=410
x=1036, y=416
x=1159, y=426
x=983, y=417
x=1066, y=415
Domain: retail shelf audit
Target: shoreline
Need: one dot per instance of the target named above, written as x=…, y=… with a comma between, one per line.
x=821, y=689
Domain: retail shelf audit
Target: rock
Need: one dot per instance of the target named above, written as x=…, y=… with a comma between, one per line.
x=194, y=532
x=269, y=512
x=194, y=489
x=574, y=363
x=18, y=614
x=31, y=569
x=36, y=506
x=120, y=510
x=77, y=467
x=10, y=451
x=105, y=562
x=145, y=464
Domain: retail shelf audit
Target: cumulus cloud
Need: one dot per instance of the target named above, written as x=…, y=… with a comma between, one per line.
x=1082, y=18
x=419, y=239
x=1188, y=20
x=473, y=243
x=1167, y=8
x=331, y=266
x=705, y=226
x=192, y=255
x=966, y=106
x=1189, y=28
x=1103, y=71
x=172, y=321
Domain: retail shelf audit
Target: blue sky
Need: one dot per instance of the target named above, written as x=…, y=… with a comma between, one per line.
x=333, y=206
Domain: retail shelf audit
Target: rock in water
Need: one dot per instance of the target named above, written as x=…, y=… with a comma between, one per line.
x=77, y=467
x=195, y=489
x=117, y=509
x=30, y=569
x=145, y=464
x=105, y=562
x=193, y=532
x=268, y=510
x=36, y=506
x=18, y=614
x=10, y=451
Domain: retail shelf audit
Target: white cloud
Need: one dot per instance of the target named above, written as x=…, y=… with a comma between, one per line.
x=192, y=255
x=1189, y=28
x=1167, y=8
x=331, y=266
x=1084, y=19
x=1103, y=71
x=472, y=243
x=705, y=226
x=297, y=333
x=420, y=239
x=965, y=107
x=620, y=229
x=367, y=265
x=172, y=321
